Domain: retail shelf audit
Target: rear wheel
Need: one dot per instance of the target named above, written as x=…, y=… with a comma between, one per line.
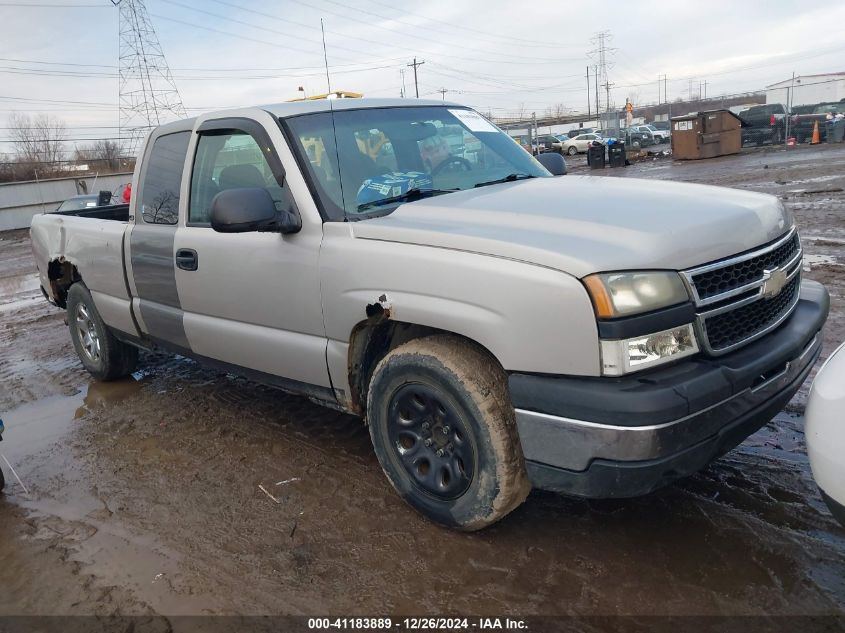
x=444, y=432
x=572, y=150
x=105, y=357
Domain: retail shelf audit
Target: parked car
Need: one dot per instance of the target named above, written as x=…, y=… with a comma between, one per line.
x=663, y=126
x=658, y=136
x=636, y=138
x=577, y=132
x=496, y=327
x=804, y=118
x=580, y=144
x=764, y=124
x=825, y=432
x=76, y=203
x=547, y=143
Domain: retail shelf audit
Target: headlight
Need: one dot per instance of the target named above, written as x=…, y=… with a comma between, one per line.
x=623, y=294
x=628, y=355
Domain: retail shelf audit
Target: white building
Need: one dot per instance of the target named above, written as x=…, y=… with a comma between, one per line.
x=807, y=89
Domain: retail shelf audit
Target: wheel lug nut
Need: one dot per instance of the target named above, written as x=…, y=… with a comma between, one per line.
x=428, y=442
x=445, y=430
x=425, y=426
x=440, y=452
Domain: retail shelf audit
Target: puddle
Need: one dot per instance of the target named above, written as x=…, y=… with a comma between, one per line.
x=19, y=292
x=815, y=260
x=822, y=238
x=34, y=427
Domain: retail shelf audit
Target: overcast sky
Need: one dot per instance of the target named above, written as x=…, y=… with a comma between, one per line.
x=493, y=55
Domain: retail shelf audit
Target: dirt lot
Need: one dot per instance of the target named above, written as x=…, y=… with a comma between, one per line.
x=143, y=495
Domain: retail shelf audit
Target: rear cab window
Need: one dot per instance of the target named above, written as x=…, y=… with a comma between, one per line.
x=162, y=180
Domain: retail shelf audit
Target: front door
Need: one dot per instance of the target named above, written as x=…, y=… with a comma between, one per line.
x=250, y=299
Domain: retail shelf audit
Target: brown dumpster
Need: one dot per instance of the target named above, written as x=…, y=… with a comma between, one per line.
x=706, y=134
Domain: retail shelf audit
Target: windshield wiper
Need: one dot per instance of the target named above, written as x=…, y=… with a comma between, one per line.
x=508, y=178
x=409, y=196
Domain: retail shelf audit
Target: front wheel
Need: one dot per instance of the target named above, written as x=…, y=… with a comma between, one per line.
x=444, y=432
x=105, y=357
x=572, y=150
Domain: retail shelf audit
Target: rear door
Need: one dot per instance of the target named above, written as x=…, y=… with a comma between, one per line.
x=150, y=255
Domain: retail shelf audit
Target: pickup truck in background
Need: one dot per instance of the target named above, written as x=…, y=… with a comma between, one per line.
x=764, y=124
x=804, y=118
x=496, y=327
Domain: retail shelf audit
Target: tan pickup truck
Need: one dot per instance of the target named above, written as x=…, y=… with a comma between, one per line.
x=496, y=326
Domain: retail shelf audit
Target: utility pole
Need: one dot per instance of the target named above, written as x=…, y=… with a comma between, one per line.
x=442, y=92
x=705, y=88
x=596, y=78
x=588, y=91
x=416, y=84
x=789, y=96
x=402, y=74
x=665, y=94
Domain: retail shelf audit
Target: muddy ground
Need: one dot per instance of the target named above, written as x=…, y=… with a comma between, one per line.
x=143, y=495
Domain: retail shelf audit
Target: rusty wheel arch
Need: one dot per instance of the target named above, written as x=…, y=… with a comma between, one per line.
x=62, y=275
x=370, y=341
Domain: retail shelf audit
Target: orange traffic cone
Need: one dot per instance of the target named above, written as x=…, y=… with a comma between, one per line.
x=816, y=139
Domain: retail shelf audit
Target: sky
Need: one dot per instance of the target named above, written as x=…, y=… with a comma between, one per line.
x=503, y=57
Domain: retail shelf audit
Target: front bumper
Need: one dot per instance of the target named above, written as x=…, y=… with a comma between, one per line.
x=628, y=436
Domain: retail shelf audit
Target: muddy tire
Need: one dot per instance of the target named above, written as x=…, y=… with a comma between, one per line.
x=444, y=431
x=101, y=353
x=2, y=480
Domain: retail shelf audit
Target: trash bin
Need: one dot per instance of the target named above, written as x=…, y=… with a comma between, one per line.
x=836, y=131
x=595, y=156
x=616, y=153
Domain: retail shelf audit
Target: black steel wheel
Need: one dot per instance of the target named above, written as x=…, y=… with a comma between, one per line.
x=431, y=440
x=444, y=431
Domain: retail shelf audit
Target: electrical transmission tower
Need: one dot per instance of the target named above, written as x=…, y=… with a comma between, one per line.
x=148, y=94
x=601, y=55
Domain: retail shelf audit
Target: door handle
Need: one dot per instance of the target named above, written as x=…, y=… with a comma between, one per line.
x=187, y=259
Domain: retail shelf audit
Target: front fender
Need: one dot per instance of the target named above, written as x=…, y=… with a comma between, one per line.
x=531, y=318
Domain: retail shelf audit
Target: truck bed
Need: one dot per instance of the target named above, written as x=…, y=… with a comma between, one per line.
x=119, y=212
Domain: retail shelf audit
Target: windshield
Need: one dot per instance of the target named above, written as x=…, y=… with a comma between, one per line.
x=367, y=162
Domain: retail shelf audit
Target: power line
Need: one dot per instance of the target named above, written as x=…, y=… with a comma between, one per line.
x=464, y=27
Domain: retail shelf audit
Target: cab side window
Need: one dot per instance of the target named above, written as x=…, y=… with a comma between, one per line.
x=230, y=159
x=163, y=179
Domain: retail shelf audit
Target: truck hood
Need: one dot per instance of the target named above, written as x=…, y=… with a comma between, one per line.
x=586, y=224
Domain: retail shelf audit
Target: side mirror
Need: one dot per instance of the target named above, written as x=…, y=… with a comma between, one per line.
x=554, y=162
x=248, y=209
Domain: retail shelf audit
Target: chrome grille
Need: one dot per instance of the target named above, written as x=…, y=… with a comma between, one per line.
x=742, y=298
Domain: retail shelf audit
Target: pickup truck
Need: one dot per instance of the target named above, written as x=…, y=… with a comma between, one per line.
x=763, y=124
x=804, y=119
x=496, y=327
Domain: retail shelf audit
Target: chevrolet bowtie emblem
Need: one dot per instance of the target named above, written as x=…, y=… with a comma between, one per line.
x=773, y=282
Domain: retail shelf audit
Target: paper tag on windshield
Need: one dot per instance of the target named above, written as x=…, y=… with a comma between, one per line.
x=474, y=121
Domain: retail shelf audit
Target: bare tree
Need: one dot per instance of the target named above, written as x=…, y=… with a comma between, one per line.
x=38, y=142
x=556, y=111
x=103, y=154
